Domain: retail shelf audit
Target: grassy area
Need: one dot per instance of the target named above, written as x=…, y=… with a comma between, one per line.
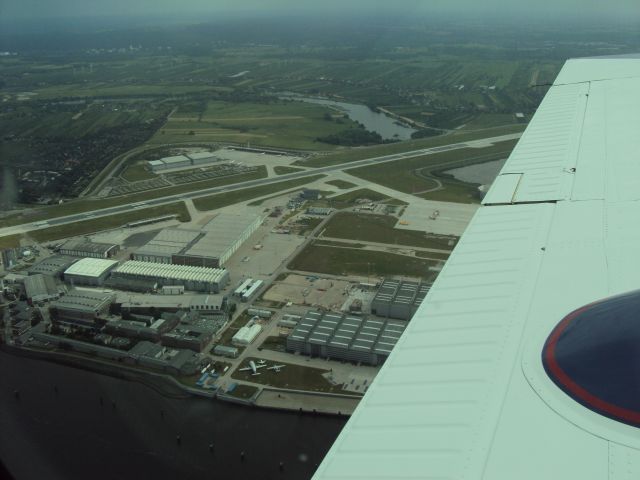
x=275, y=343
x=276, y=123
x=229, y=198
x=333, y=243
x=419, y=174
x=108, y=222
x=280, y=170
x=10, y=241
x=360, y=194
x=355, y=154
x=349, y=261
x=136, y=172
x=380, y=229
x=87, y=205
x=341, y=184
x=243, y=391
x=297, y=377
x=309, y=224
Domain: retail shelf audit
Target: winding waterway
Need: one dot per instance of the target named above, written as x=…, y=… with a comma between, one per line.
x=388, y=127
x=69, y=423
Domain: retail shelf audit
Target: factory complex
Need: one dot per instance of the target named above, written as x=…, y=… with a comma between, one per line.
x=209, y=247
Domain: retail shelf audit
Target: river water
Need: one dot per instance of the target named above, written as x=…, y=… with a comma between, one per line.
x=72, y=433
x=385, y=125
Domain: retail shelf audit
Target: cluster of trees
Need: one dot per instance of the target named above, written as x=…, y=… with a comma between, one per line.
x=352, y=137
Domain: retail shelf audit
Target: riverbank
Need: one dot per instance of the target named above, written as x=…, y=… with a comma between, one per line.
x=168, y=386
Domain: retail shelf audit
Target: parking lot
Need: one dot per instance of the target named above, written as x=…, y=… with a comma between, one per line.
x=310, y=290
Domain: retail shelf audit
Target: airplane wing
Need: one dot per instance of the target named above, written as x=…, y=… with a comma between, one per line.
x=465, y=393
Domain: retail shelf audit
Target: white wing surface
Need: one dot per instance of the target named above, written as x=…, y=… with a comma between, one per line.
x=464, y=394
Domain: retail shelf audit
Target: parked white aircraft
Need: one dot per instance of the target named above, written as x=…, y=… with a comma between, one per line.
x=276, y=368
x=253, y=367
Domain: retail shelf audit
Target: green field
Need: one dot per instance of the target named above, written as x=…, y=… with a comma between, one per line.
x=280, y=170
x=362, y=153
x=108, y=222
x=10, y=241
x=379, y=229
x=419, y=174
x=223, y=199
x=275, y=123
x=292, y=376
x=341, y=184
x=136, y=172
x=353, y=261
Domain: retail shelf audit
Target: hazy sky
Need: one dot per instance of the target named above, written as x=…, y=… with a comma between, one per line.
x=20, y=9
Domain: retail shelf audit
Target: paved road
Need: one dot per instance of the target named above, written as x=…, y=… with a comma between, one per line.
x=252, y=183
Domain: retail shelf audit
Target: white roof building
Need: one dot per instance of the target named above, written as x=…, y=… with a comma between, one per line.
x=193, y=278
x=246, y=335
x=91, y=267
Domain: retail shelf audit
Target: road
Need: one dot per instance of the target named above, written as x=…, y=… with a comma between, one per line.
x=251, y=183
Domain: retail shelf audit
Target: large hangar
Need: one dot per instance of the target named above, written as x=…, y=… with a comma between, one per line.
x=198, y=279
x=167, y=243
x=356, y=339
x=89, y=271
x=210, y=247
x=399, y=298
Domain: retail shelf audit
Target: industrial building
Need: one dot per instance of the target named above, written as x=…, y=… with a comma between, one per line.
x=319, y=211
x=399, y=299
x=53, y=266
x=147, y=304
x=89, y=271
x=199, y=279
x=251, y=291
x=168, y=163
x=202, y=158
x=182, y=161
x=225, y=351
x=146, y=330
x=144, y=353
x=87, y=248
x=224, y=234
x=193, y=337
x=210, y=248
x=344, y=337
x=41, y=288
x=247, y=334
x=82, y=307
x=168, y=242
x=175, y=361
x=248, y=289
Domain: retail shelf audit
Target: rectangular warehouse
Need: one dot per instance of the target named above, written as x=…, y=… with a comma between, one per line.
x=224, y=235
x=198, y=279
x=81, y=307
x=203, y=158
x=89, y=271
x=87, y=248
x=168, y=163
x=53, y=266
x=399, y=299
x=356, y=339
x=168, y=242
x=209, y=248
x=40, y=288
